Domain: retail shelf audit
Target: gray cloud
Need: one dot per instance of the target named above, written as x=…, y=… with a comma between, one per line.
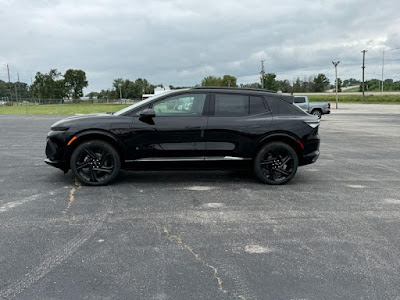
x=180, y=42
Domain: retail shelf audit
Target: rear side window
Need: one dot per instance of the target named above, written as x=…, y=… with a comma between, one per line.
x=227, y=105
x=231, y=105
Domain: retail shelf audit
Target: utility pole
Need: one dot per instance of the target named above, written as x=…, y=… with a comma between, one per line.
x=336, y=89
x=17, y=88
x=262, y=73
x=383, y=62
x=363, y=69
x=9, y=82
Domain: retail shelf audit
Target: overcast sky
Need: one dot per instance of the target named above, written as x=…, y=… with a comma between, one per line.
x=180, y=42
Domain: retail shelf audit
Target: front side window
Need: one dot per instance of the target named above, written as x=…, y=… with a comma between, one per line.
x=182, y=105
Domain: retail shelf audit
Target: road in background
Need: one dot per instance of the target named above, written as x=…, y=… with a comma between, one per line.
x=331, y=233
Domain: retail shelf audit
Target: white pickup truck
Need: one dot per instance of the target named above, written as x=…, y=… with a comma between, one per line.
x=315, y=108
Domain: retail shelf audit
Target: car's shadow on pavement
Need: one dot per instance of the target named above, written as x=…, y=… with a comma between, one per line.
x=195, y=177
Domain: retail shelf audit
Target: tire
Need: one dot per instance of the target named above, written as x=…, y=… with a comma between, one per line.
x=317, y=112
x=276, y=163
x=95, y=163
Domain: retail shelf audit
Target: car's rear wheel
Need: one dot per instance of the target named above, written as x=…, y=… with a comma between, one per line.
x=276, y=163
x=95, y=162
x=317, y=113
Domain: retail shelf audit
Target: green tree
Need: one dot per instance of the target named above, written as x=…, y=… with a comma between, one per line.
x=297, y=86
x=270, y=82
x=321, y=83
x=284, y=86
x=254, y=85
x=350, y=82
x=228, y=80
x=74, y=82
x=211, y=81
x=93, y=95
x=339, y=85
x=118, y=84
x=49, y=86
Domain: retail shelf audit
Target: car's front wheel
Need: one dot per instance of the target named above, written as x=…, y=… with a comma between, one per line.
x=276, y=163
x=95, y=162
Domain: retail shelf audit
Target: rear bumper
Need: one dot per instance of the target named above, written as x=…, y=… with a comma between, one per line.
x=310, y=158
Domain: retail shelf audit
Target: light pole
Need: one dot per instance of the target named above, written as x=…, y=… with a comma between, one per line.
x=120, y=93
x=262, y=73
x=383, y=63
x=363, y=71
x=336, y=89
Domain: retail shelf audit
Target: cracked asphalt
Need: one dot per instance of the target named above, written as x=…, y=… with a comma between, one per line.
x=331, y=233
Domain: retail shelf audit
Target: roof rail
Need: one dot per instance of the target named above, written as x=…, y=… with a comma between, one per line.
x=232, y=88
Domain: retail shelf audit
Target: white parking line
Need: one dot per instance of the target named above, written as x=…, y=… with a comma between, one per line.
x=355, y=186
x=13, y=204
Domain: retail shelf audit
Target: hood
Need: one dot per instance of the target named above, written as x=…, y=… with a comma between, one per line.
x=72, y=120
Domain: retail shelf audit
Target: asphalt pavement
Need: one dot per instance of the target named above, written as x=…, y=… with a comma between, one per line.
x=331, y=233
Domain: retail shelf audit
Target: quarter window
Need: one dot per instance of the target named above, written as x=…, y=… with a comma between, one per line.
x=299, y=100
x=257, y=105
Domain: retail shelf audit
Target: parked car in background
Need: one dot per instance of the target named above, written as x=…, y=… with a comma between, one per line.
x=220, y=128
x=315, y=108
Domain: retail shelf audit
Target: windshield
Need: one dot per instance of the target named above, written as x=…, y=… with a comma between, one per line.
x=140, y=103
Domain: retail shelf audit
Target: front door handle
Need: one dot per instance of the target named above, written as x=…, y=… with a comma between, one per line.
x=193, y=127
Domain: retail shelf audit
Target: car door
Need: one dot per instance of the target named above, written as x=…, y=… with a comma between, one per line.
x=176, y=131
x=235, y=124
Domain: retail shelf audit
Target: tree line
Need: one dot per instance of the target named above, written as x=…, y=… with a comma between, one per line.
x=52, y=85
x=70, y=85
x=126, y=89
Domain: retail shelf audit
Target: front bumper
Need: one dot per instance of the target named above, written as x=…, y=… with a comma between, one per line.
x=57, y=164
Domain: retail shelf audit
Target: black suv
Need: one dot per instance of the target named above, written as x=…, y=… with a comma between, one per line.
x=199, y=127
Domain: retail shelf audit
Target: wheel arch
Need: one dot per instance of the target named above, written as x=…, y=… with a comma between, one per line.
x=89, y=135
x=316, y=108
x=284, y=138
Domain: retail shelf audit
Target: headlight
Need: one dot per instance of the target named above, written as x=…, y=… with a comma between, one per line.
x=59, y=128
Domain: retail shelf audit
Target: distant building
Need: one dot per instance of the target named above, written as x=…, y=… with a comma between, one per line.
x=157, y=90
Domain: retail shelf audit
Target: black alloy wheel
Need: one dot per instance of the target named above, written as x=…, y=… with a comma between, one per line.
x=276, y=163
x=95, y=162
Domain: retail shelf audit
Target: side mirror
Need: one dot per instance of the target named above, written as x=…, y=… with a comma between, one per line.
x=148, y=113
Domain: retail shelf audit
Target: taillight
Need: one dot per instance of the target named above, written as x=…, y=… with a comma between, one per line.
x=329, y=105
